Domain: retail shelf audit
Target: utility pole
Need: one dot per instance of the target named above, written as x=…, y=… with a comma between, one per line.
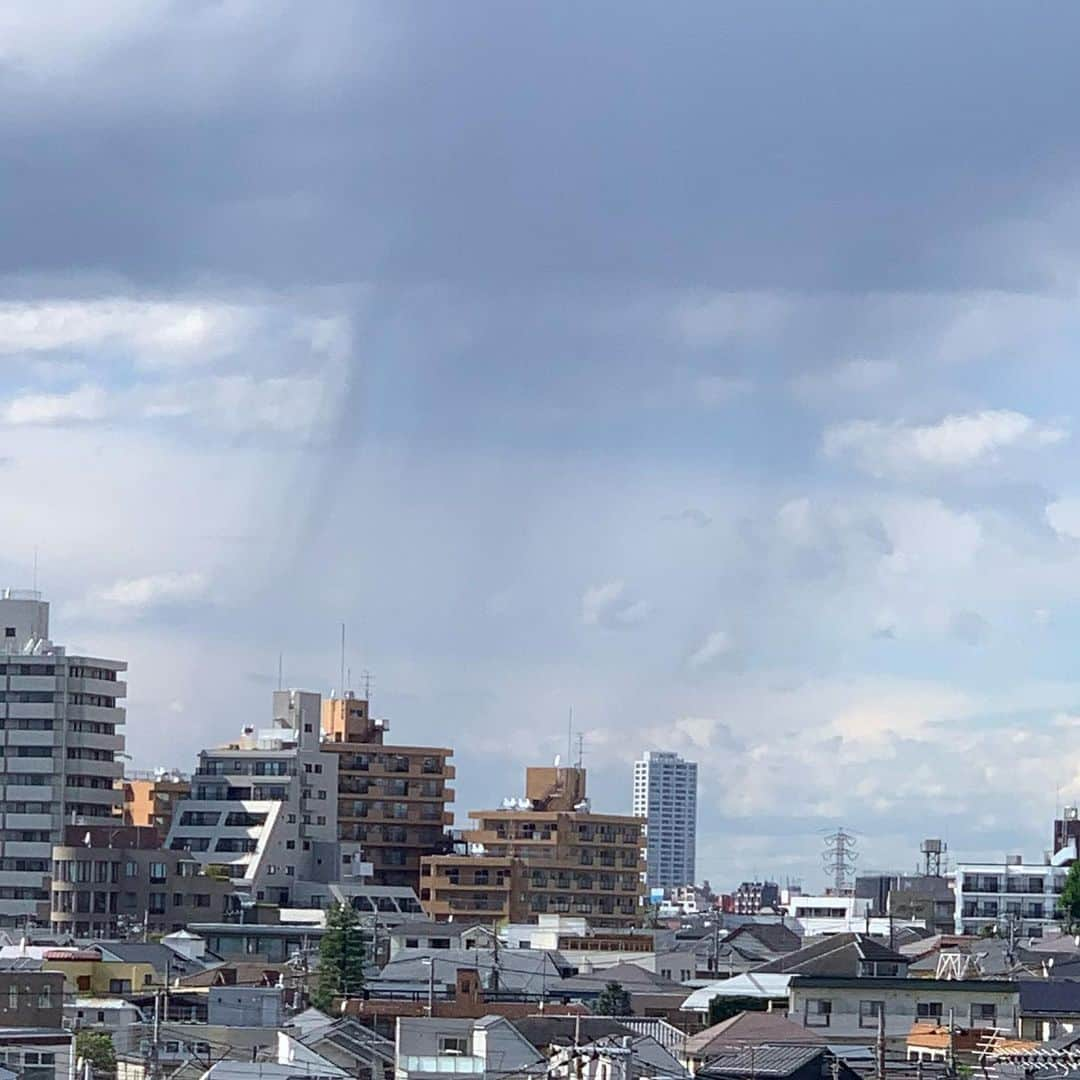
x=716, y=944
x=494, y=981
x=431, y=987
x=879, y=1056
x=155, y=1071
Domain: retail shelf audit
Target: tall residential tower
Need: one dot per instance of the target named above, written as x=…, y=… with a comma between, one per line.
x=665, y=794
x=60, y=734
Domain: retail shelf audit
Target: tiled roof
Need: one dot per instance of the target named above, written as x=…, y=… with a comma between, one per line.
x=762, y=1061
x=748, y=1028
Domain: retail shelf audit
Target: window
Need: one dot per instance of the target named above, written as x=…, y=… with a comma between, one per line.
x=818, y=1012
x=983, y=1014
x=453, y=1044
x=928, y=1010
x=44, y=998
x=119, y=986
x=869, y=1011
x=13, y=997
x=157, y=871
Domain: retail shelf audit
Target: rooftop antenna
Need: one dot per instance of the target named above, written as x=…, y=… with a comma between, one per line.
x=342, y=682
x=367, y=686
x=570, y=736
x=348, y=677
x=280, y=678
x=580, y=748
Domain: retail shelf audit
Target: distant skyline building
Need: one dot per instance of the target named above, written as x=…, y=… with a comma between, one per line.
x=665, y=795
x=60, y=735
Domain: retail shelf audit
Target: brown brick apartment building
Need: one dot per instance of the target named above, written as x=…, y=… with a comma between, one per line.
x=392, y=799
x=555, y=857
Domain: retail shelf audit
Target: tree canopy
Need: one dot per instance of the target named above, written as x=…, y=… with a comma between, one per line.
x=1069, y=902
x=341, y=957
x=613, y=1000
x=97, y=1048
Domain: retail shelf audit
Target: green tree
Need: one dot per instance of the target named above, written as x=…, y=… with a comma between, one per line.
x=1069, y=901
x=97, y=1048
x=613, y=1000
x=341, y=957
x=722, y=1007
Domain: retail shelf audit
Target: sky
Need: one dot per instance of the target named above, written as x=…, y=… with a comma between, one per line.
x=705, y=369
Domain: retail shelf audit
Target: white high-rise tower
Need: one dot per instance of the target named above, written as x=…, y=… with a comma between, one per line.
x=60, y=734
x=665, y=794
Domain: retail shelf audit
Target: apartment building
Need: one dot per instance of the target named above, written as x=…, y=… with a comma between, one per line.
x=263, y=809
x=753, y=896
x=150, y=798
x=111, y=881
x=392, y=800
x=1013, y=895
x=545, y=854
x=60, y=734
x=665, y=795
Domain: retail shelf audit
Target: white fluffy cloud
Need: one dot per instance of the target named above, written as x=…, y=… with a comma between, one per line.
x=608, y=605
x=715, y=645
x=958, y=441
x=87, y=403
x=155, y=332
x=1063, y=516
x=135, y=595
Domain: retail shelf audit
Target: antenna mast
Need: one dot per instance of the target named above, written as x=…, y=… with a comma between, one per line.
x=341, y=684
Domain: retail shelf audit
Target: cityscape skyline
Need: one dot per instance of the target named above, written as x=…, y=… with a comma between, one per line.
x=745, y=429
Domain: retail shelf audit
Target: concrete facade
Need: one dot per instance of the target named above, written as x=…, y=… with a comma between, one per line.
x=122, y=882
x=263, y=809
x=665, y=795
x=61, y=729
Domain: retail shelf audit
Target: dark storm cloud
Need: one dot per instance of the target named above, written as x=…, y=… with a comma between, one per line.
x=736, y=145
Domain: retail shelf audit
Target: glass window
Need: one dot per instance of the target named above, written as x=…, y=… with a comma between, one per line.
x=818, y=1012
x=869, y=1011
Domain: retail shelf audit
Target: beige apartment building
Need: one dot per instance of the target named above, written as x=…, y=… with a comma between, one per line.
x=150, y=798
x=545, y=854
x=391, y=799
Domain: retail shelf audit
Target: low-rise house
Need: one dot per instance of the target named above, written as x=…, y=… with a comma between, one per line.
x=523, y=971
x=31, y=998
x=742, y=1030
x=432, y=1047
x=783, y=1062
x=650, y=994
x=424, y=934
x=764, y=987
x=947, y=1045
x=580, y=1045
x=847, y=1008
x=1049, y=1008
x=92, y=973
x=345, y=1044
x=38, y=1053
x=842, y=954
x=102, y=1014
x=272, y=942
